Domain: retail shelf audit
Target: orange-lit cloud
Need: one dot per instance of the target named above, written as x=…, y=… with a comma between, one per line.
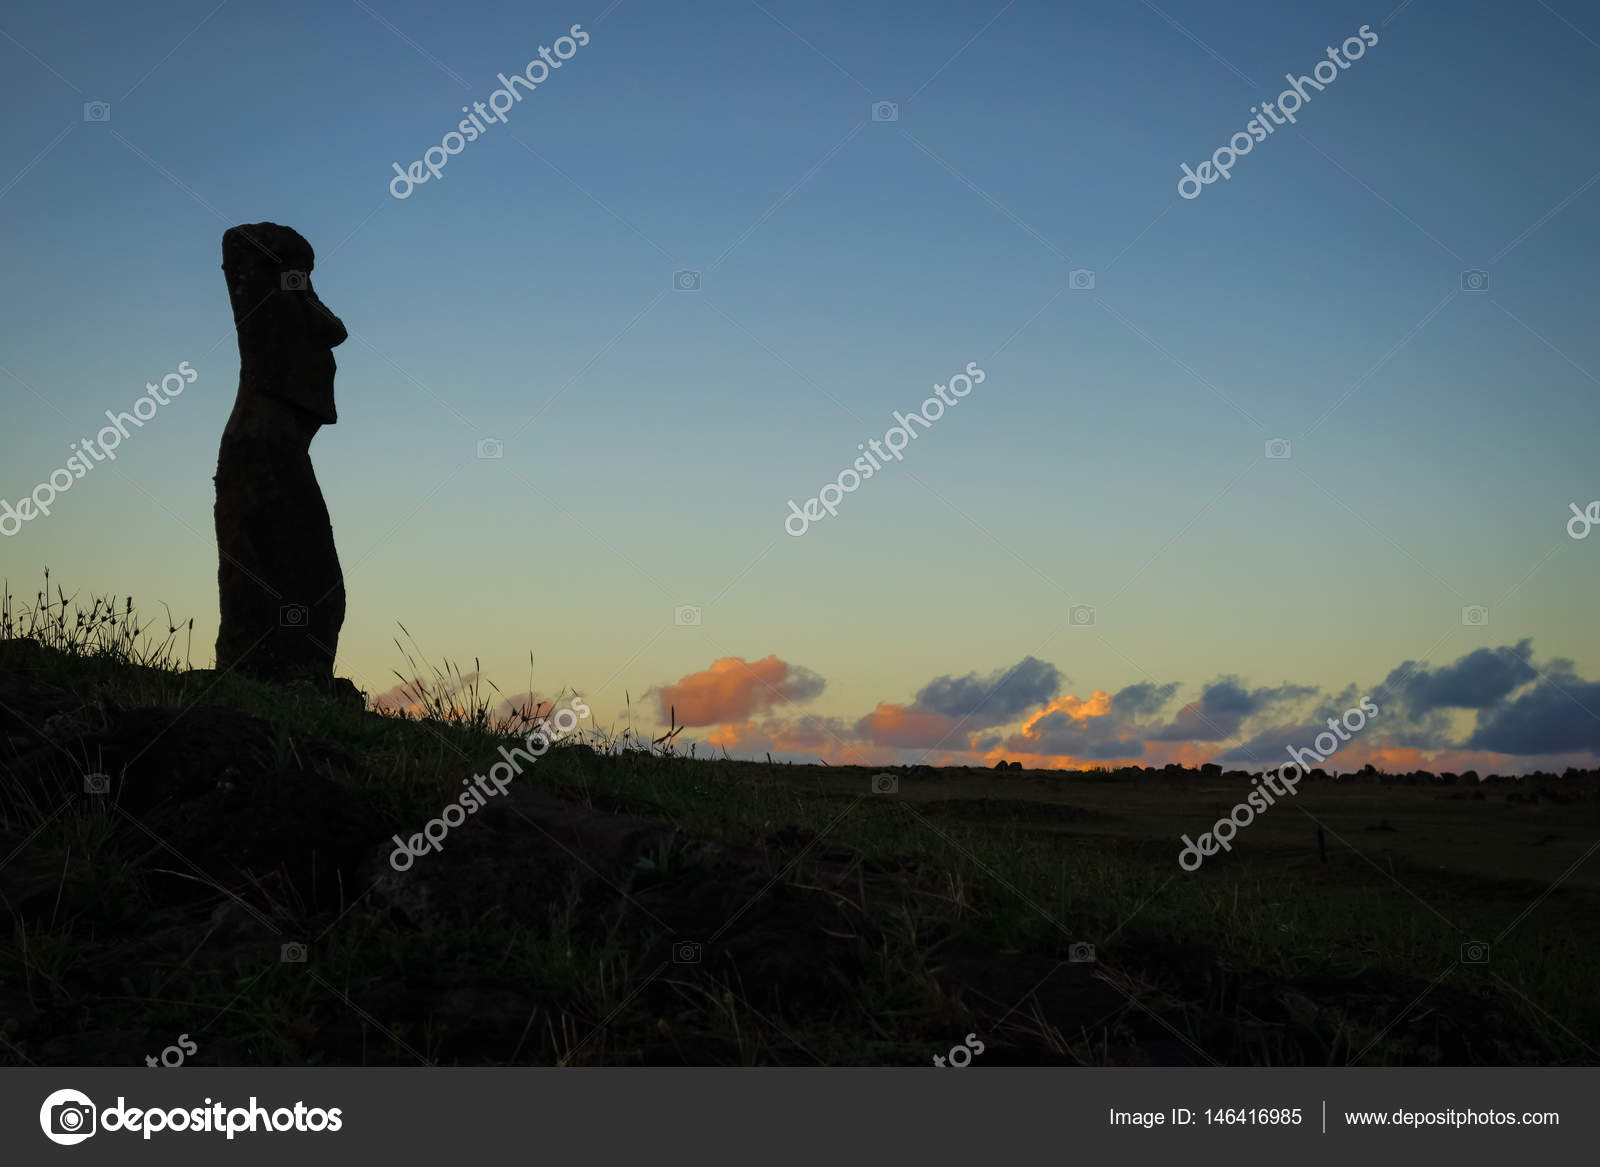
x=1055, y=761
x=1072, y=732
x=460, y=700
x=733, y=689
x=896, y=725
x=804, y=735
x=522, y=707
x=404, y=698
x=1098, y=705
x=1401, y=760
x=813, y=736
x=1018, y=714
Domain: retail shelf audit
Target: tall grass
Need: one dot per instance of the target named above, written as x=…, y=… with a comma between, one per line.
x=102, y=629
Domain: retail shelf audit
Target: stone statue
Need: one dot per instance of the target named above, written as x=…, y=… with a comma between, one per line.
x=281, y=590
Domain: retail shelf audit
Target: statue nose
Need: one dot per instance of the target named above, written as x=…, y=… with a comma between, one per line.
x=336, y=331
x=329, y=328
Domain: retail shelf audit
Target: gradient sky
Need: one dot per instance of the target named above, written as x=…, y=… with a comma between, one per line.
x=653, y=436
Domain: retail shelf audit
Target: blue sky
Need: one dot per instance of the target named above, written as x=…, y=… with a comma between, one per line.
x=1113, y=457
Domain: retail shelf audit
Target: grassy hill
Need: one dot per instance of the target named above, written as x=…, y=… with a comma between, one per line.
x=188, y=853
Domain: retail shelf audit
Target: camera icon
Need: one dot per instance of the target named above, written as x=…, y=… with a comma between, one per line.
x=97, y=783
x=1475, y=952
x=885, y=784
x=72, y=1118
x=292, y=616
x=686, y=616
x=686, y=951
x=1475, y=280
x=490, y=448
x=1080, y=616
x=1475, y=616
x=1080, y=279
x=686, y=281
x=1278, y=448
x=885, y=111
x=68, y=1121
x=292, y=953
x=294, y=281
x=1080, y=953
x=97, y=111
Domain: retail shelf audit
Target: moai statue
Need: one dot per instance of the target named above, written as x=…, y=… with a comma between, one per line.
x=281, y=590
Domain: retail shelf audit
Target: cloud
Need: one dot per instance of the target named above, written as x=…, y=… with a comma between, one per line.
x=404, y=696
x=1223, y=707
x=981, y=702
x=1092, y=739
x=1478, y=680
x=949, y=711
x=1019, y=712
x=1269, y=747
x=1089, y=730
x=909, y=728
x=1143, y=699
x=733, y=689
x=397, y=699
x=1419, y=707
x=520, y=707
x=1390, y=731
x=811, y=734
x=1558, y=714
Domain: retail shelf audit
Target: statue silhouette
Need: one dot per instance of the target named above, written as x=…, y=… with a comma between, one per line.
x=280, y=587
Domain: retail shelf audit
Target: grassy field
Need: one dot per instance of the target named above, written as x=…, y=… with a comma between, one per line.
x=623, y=904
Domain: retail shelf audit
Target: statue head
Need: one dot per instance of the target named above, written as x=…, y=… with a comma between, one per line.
x=286, y=334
